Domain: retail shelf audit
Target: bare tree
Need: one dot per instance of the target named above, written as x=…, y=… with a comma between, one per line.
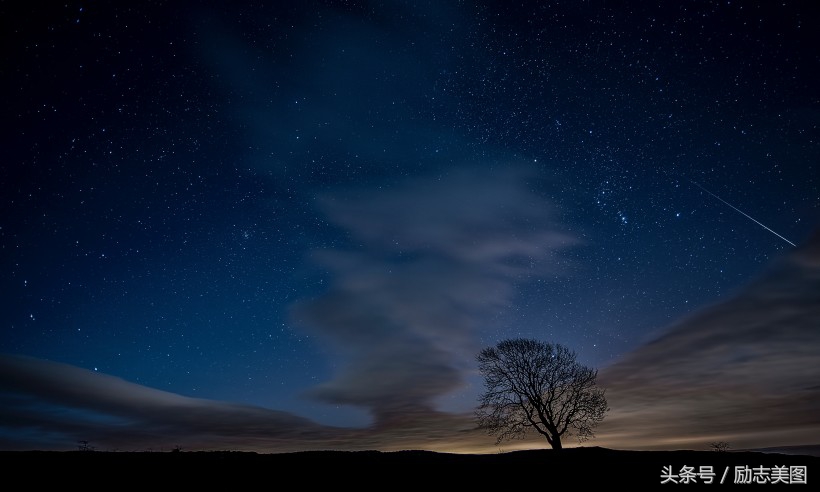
x=84, y=446
x=536, y=385
x=719, y=446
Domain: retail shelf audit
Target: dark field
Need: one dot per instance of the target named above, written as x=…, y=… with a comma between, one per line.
x=538, y=470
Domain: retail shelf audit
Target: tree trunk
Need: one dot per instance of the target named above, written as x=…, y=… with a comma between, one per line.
x=556, y=443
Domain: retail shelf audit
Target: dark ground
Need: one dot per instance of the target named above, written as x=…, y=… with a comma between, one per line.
x=541, y=470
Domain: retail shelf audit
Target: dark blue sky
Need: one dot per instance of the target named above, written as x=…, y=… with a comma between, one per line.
x=328, y=208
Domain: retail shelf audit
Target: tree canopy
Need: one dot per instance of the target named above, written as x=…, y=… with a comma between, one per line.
x=533, y=385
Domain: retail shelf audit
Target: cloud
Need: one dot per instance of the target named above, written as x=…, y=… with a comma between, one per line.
x=436, y=257
x=347, y=86
x=67, y=403
x=49, y=405
x=745, y=370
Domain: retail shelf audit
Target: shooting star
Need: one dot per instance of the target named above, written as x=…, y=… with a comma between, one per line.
x=742, y=212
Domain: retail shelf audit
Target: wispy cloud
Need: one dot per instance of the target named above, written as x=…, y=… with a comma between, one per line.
x=348, y=86
x=745, y=370
x=50, y=405
x=67, y=403
x=436, y=256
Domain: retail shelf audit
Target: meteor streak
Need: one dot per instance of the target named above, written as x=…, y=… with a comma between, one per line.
x=742, y=212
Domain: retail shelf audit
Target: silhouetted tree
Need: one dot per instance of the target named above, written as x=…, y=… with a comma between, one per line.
x=84, y=446
x=719, y=446
x=535, y=385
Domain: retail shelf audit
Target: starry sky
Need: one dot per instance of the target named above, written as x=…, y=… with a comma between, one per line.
x=313, y=215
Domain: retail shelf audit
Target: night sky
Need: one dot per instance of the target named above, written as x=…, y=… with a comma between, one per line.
x=313, y=215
